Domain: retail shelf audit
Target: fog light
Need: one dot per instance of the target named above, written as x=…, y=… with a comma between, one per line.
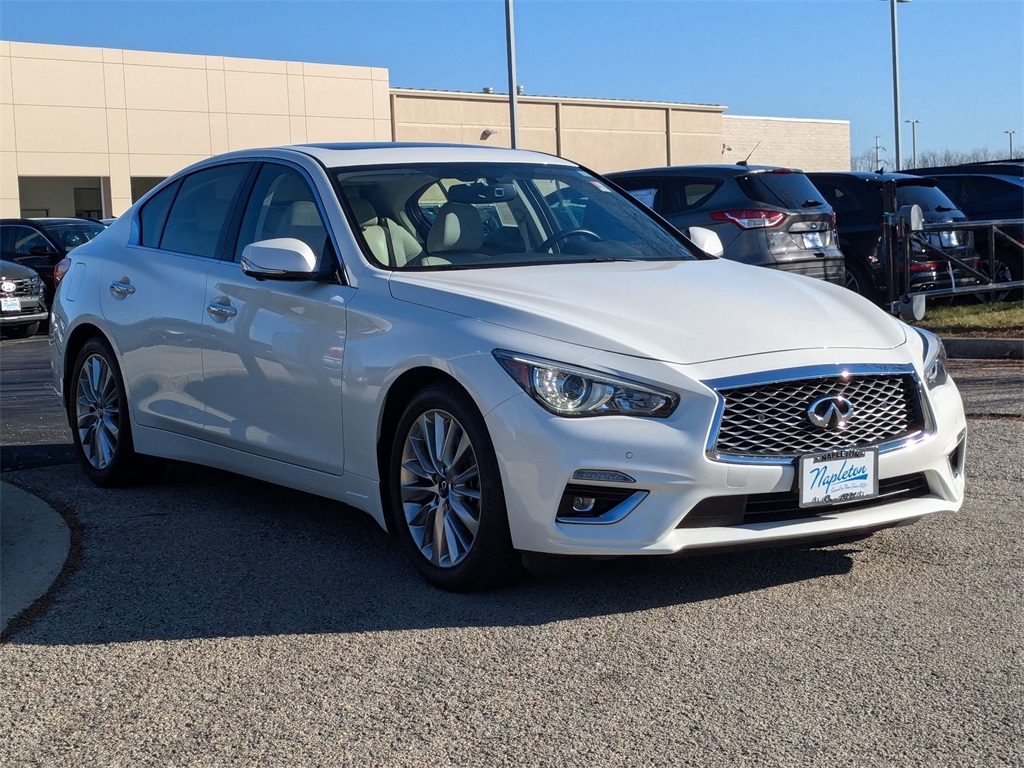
x=583, y=504
x=596, y=504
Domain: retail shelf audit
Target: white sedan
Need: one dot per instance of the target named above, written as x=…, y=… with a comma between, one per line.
x=492, y=351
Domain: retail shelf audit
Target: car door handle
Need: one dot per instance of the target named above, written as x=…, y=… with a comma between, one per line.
x=220, y=311
x=122, y=287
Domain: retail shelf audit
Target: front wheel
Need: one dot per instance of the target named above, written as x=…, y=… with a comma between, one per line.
x=100, y=422
x=447, y=502
x=22, y=331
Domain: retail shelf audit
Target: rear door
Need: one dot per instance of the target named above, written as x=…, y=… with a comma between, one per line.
x=153, y=293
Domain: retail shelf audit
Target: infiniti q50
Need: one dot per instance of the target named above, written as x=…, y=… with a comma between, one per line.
x=492, y=352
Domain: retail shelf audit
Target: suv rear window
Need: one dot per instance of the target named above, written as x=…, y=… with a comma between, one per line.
x=781, y=189
x=929, y=198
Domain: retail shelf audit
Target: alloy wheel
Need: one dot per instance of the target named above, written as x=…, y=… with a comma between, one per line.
x=440, y=488
x=97, y=412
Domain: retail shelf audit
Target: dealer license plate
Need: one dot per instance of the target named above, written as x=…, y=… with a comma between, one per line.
x=835, y=477
x=812, y=240
x=8, y=304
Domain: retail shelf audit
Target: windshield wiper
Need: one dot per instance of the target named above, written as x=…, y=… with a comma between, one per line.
x=943, y=208
x=811, y=203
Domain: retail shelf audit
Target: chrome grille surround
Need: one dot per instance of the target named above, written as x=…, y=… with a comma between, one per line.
x=762, y=418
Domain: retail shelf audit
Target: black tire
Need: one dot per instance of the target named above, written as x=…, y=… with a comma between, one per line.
x=100, y=421
x=1005, y=271
x=450, y=499
x=22, y=331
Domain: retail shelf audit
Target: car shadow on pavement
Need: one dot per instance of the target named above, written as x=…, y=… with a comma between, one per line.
x=208, y=554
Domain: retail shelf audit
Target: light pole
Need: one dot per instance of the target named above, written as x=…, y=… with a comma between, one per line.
x=510, y=37
x=1010, y=134
x=878, y=154
x=913, y=138
x=896, y=81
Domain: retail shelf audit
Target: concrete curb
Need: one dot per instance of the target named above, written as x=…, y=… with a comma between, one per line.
x=989, y=349
x=34, y=544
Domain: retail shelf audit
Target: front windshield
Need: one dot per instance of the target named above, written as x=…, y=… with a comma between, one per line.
x=72, y=235
x=478, y=215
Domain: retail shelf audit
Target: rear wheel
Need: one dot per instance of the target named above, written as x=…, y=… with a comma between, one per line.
x=100, y=422
x=1004, y=273
x=447, y=502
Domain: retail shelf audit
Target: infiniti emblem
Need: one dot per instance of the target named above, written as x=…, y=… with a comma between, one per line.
x=832, y=412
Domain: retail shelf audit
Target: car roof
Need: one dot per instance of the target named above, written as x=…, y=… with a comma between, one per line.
x=357, y=154
x=49, y=220
x=900, y=178
x=982, y=168
x=723, y=171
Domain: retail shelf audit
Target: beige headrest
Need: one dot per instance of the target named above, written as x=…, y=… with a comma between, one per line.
x=456, y=228
x=363, y=211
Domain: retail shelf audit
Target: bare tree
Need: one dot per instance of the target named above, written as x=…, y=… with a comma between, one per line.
x=929, y=158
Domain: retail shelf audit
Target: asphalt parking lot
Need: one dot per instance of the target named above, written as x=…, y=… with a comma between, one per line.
x=217, y=620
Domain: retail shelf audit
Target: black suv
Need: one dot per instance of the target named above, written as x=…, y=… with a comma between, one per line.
x=989, y=191
x=856, y=197
x=41, y=243
x=771, y=217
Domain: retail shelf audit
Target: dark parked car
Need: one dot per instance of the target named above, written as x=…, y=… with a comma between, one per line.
x=990, y=191
x=41, y=243
x=856, y=197
x=770, y=217
x=22, y=306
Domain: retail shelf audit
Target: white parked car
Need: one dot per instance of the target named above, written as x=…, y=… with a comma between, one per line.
x=493, y=351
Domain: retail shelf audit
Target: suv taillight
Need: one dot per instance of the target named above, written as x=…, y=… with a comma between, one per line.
x=60, y=269
x=751, y=218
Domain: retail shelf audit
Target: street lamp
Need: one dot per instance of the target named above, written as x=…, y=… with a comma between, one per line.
x=1010, y=134
x=896, y=81
x=913, y=134
x=513, y=91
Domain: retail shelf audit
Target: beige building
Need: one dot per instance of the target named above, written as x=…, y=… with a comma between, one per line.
x=87, y=131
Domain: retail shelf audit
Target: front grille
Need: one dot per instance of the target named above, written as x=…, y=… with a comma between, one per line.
x=770, y=420
x=25, y=286
x=723, y=511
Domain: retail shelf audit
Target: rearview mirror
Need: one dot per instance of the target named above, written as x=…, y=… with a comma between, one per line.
x=282, y=258
x=479, y=192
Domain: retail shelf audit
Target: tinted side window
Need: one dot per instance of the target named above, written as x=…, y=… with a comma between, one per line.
x=153, y=216
x=687, y=194
x=201, y=210
x=980, y=189
x=282, y=205
x=21, y=240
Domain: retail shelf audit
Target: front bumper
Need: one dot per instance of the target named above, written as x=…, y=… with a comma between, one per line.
x=539, y=454
x=33, y=313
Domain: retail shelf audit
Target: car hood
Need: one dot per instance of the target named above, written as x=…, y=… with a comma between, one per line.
x=679, y=311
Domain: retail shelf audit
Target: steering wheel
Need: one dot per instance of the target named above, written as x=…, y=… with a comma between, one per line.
x=558, y=236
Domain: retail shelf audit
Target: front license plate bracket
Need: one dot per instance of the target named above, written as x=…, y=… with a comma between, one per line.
x=836, y=477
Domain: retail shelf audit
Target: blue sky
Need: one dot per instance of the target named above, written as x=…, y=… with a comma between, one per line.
x=961, y=61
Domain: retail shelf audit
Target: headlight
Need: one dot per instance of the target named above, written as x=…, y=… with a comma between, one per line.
x=934, y=359
x=566, y=390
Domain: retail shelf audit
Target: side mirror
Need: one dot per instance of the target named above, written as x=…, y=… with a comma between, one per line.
x=283, y=258
x=41, y=250
x=707, y=240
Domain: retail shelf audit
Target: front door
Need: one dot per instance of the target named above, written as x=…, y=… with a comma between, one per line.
x=273, y=350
